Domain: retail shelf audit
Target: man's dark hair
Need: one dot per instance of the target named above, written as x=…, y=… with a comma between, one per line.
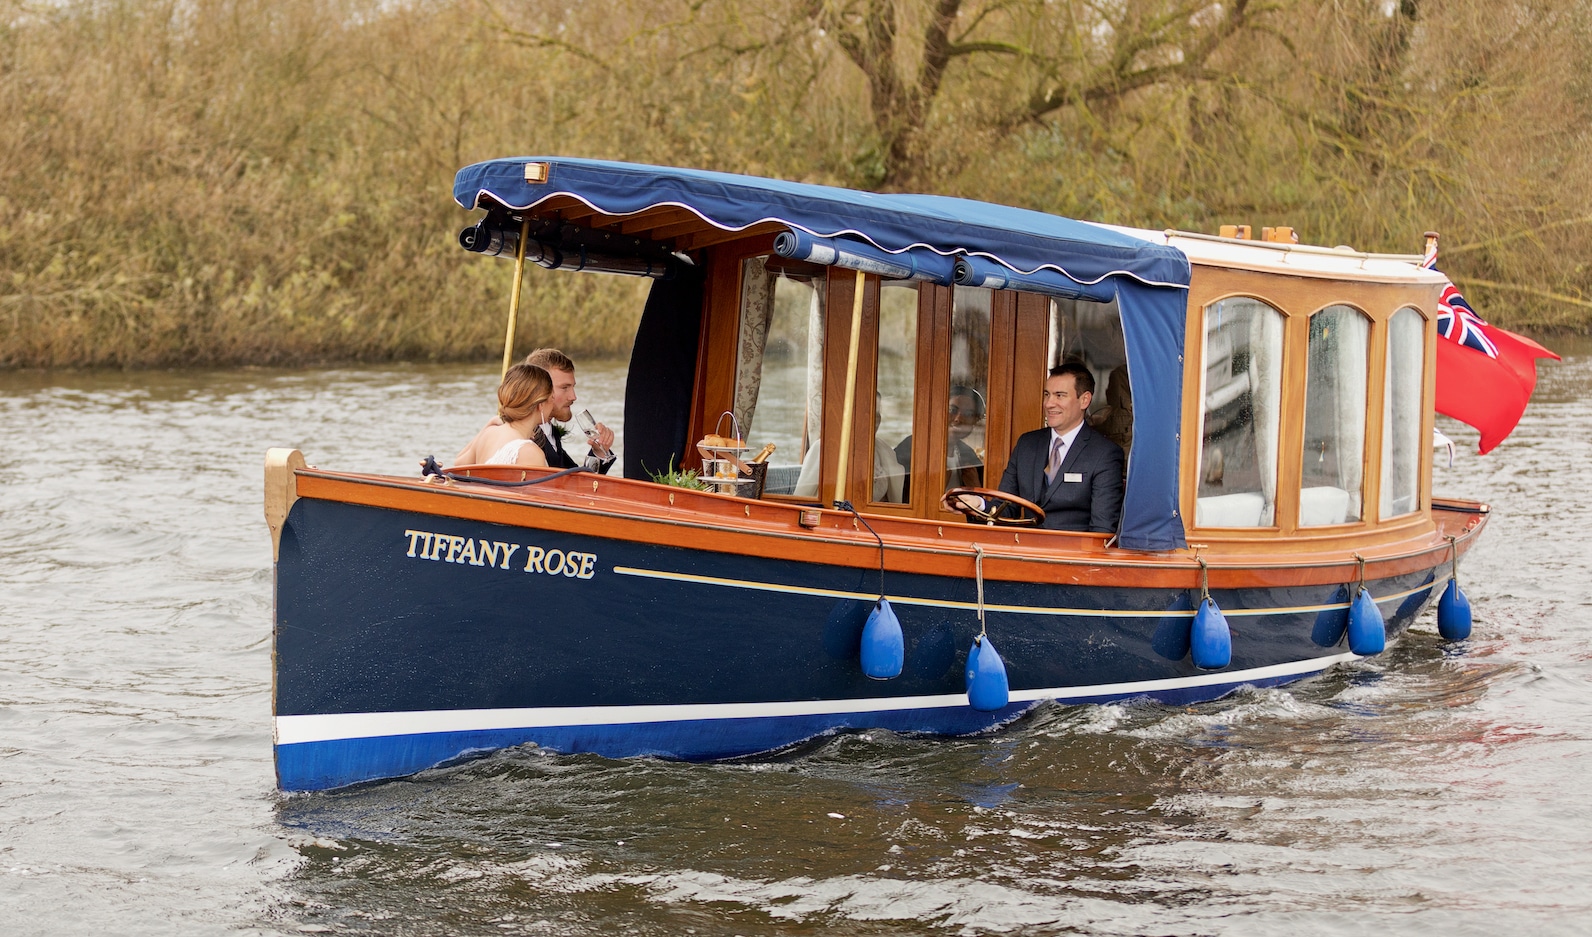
x=1082, y=379
x=962, y=390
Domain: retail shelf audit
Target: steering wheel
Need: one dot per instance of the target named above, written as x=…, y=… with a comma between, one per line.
x=995, y=505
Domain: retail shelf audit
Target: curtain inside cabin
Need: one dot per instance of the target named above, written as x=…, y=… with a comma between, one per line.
x=757, y=309
x=781, y=350
x=1265, y=369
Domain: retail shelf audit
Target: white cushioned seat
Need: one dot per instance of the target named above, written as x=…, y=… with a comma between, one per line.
x=1241, y=509
x=1324, y=505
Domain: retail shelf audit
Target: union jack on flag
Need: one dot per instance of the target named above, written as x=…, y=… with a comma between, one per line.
x=1508, y=371
x=1457, y=322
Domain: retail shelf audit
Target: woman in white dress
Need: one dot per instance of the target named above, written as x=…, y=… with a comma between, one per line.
x=522, y=408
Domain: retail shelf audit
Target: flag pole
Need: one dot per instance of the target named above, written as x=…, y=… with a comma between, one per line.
x=851, y=390
x=514, y=297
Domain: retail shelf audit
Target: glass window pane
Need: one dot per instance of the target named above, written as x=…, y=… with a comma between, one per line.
x=968, y=370
x=969, y=364
x=1091, y=333
x=1242, y=389
x=1401, y=413
x=1335, y=386
x=780, y=369
x=896, y=376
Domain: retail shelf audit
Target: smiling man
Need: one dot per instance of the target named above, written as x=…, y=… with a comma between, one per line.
x=1068, y=469
x=561, y=369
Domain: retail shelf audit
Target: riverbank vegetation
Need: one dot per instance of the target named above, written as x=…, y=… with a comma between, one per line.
x=268, y=181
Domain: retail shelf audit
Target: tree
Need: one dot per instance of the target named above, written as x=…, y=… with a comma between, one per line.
x=1076, y=54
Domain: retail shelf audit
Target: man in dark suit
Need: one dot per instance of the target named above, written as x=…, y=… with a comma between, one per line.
x=561, y=369
x=1068, y=469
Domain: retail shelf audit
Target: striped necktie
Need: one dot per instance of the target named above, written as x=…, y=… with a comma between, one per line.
x=1054, y=465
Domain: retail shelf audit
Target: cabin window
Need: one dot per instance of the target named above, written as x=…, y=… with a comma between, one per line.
x=1335, y=393
x=969, y=387
x=779, y=367
x=966, y=371
x=1090, y=333
x=1242, y=389
x=895, y=378
x=1401, y=413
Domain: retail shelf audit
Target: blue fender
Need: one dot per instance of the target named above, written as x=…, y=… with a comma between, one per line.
x=1367, y=630
x=1453, y=613
x=1211, y=641
x=987, y=688
x=883, y=648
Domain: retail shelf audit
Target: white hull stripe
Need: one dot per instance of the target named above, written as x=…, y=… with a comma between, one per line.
x=293, y=730
x=973, y=606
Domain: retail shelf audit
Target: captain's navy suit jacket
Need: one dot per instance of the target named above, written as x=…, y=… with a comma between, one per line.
x=1093, y=502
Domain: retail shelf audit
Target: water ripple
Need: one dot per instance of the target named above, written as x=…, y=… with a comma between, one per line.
x=1433, y=790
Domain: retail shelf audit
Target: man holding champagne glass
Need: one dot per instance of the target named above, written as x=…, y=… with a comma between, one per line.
x=561, y=369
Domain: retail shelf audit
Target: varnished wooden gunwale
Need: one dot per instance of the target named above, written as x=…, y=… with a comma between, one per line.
x=644, y=512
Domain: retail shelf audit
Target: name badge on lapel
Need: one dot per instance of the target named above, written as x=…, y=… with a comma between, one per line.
x=1072, y=476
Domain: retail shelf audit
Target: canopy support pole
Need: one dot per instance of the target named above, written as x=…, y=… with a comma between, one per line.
x=851, y=390
x=514, y=297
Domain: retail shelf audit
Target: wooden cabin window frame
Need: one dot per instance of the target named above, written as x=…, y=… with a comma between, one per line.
x=1299, y=298
x=1284, y=496
x=719, y=340
x=1370, y=418
x=837, y=336
x=789, y=456
x=1012, y=400
x=1423, y=437
x=1018, y=330
x=861, y=477
x=1009, y=331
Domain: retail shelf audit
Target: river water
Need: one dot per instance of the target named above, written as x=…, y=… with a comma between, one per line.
x=1436, y=789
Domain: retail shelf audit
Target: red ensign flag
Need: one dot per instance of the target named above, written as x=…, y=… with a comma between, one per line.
x=1485, y=374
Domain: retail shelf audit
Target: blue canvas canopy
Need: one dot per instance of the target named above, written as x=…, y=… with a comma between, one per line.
x=1000, y=246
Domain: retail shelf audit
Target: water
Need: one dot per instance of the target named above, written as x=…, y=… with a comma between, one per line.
x=1435, y=790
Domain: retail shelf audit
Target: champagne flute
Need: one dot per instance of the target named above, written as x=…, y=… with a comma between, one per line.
x=588, y=425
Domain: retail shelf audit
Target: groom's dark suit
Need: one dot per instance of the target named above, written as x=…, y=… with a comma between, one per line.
x=558, y=458
x=1087, y=491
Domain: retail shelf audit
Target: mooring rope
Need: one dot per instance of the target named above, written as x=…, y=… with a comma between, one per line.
x=978, y=573
x=847, y=506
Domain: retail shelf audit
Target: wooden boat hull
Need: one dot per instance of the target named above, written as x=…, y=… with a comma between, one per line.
x=409, y=636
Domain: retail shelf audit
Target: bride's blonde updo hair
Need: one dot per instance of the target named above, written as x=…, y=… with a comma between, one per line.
x=524, y=389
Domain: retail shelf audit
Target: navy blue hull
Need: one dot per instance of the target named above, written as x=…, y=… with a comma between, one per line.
x=405, y=640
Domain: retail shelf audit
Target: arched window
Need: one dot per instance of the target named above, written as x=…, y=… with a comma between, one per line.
x=1242, y=391
x=1401, y=414
x=1333, y=480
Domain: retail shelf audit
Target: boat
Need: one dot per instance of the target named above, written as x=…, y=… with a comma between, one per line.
x=1275, y=401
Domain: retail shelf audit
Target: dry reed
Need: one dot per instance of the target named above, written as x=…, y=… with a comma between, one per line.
x=241, y=181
